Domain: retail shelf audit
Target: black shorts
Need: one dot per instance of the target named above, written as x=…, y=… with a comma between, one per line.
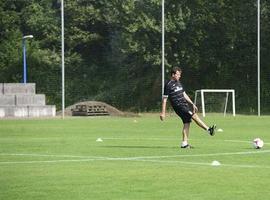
x=185, y=113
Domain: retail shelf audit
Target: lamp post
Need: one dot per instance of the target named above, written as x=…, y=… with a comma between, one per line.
x=24, y=56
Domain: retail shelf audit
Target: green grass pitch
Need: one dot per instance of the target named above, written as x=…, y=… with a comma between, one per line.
x=137, y=159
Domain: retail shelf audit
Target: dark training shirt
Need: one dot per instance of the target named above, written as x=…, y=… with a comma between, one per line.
x=175, y=92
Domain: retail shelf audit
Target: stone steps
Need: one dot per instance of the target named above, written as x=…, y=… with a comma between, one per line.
x=18, y=88
x=21, y=100
x=27, y=111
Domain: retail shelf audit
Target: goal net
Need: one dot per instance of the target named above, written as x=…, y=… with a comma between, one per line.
x=215, y=100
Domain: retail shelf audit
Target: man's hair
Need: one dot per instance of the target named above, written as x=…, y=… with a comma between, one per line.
x=175, y=69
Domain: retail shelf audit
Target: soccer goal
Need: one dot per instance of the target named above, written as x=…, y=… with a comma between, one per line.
x=226, y=91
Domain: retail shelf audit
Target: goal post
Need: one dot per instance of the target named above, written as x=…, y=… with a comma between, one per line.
x=227, y=91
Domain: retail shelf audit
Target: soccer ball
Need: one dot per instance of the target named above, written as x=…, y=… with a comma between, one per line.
x=257, y=143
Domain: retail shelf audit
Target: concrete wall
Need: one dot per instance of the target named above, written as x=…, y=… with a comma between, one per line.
x=24, y=100
x=7, y=100
x=21, y=100
x=19, y=88
x=13, y=111
x=41, y=111
x=1, y=88
x=27, y=111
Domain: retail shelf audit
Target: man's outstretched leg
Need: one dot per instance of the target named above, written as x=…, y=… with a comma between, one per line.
x=200, y=123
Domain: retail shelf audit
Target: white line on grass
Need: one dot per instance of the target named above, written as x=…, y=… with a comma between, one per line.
x=140, y=160
x=172, y=139
x=49, y=161
x=206, y=155
x=138, y=157
x=119, y=138
x=50, y=155
x=242, y=141
x=238, y=141
x=205, y=164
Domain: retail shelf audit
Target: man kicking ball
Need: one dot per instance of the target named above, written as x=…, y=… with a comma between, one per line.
x=180, y=101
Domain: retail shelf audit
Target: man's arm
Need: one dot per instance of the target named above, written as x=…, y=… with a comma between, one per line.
x=195, y=109
x=163, y=108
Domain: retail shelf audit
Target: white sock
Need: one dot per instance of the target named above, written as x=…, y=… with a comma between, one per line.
x=184, y=143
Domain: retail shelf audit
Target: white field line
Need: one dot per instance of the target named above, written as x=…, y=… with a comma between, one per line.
x=140, y=160
x=119, y=138
x=238, y=141
x=172, y=139
x=51, y=155
x=48, y=161
x=97, y=158
x=205, y=164
x=138, y=157
x=242, y=141
x=203, y=155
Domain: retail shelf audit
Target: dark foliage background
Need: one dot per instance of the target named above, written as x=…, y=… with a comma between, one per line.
x=113, y=49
